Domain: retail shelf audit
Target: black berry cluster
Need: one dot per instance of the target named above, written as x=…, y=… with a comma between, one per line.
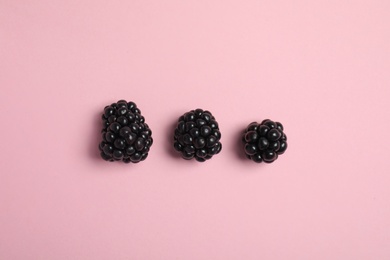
x=126, y=136
x=265, y=141
x=197, y=135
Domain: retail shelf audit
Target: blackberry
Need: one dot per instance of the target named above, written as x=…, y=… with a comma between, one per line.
x=264, y=142
x=126, y=136
x=197, y=135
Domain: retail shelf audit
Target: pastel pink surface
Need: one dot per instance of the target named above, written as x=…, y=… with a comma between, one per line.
x=319, y=67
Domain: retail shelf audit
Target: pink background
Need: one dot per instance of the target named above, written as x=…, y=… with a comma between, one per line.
x=320, y=67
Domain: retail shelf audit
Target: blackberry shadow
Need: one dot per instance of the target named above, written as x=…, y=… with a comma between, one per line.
x=239, y=146
x=170, y=139
x=95, y=136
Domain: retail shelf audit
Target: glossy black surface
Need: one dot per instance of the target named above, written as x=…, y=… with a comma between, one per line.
x=265, y=141
x=197, y=135
x=125, y=135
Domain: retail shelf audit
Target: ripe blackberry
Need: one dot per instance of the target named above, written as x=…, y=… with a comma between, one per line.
x=126, y=136
x=265, y=141
x=197, y=135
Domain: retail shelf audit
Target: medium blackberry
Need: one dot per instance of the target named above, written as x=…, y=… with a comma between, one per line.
x=197, y=135
x=126, y=136
x=265, y=141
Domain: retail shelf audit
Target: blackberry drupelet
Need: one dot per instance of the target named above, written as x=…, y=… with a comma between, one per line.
x=264, y=142
x=197, y=135
x=126, y=136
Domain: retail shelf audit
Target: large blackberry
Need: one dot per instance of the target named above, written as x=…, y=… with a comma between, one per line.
x=197, y=135
x=265, y=141
x=125, y=134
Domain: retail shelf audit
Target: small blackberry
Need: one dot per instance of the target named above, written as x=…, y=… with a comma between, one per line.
x=265, y=141
x=126, y=136
x=197, y=135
